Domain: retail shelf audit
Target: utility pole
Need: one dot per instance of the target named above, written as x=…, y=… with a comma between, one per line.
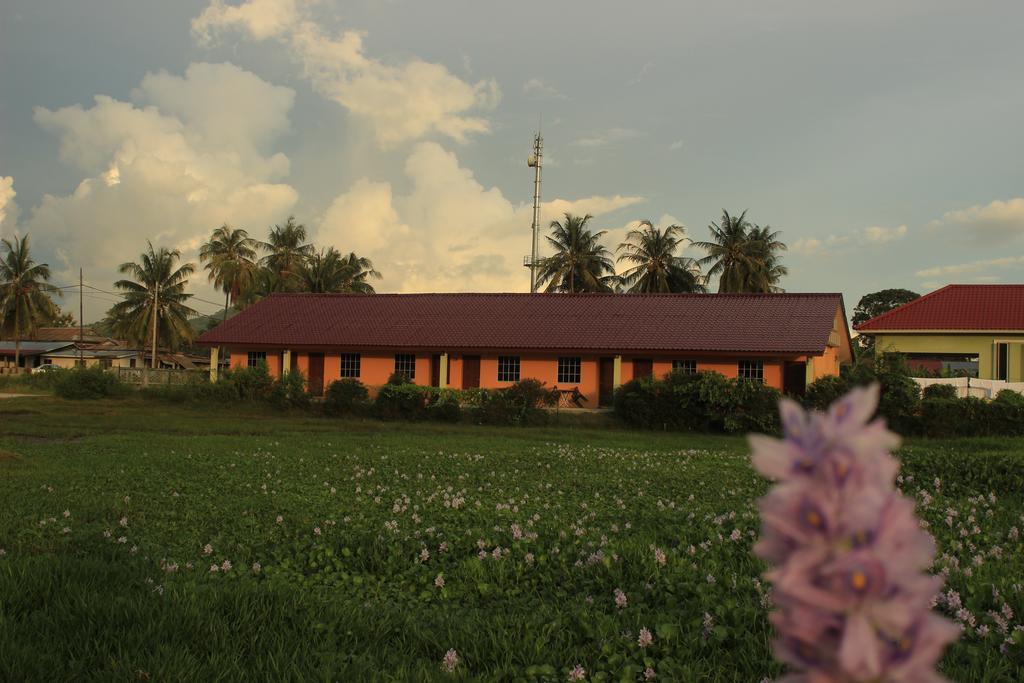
x=534, y=161
x=81, y=321
x=156, y=304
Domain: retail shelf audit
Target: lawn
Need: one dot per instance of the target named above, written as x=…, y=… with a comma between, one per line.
x=142, y=541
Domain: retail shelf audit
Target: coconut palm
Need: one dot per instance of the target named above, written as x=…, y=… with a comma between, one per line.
x=358, y=271
x=770, y=269
x=24, y=292
x=327, y=271
x=743, y=256
x=230, y=258
x=580, y=262
x=286, y=249
x=655, y=265
x=264, y=283
x=154, y=297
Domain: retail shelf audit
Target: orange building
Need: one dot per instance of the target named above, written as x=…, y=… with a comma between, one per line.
x=587, y=342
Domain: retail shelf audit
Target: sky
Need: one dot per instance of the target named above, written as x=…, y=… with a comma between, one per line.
x=883, y=139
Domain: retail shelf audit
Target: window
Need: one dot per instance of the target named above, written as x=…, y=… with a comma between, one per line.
x=569, y=370
x=350, y=365
x=1002, y=361
x=687, y=367
x=255, y=358
x=405, y=363
x=751, y=370
x=508, y=368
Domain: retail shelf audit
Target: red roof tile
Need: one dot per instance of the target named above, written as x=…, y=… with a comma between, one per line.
x=766, y=323
x=957, y=307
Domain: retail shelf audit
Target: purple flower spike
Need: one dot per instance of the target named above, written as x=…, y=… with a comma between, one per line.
x=848, y=554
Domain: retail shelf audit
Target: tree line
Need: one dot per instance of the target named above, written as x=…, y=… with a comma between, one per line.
x=742, y=255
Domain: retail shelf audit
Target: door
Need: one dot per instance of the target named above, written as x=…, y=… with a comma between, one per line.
x=606, y=383
x=794, y=378
x=470, y=372
x=642, y=367
x=316, y=374
x=435, y=370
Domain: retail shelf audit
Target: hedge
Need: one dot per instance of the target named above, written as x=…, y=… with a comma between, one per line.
x=706, y=402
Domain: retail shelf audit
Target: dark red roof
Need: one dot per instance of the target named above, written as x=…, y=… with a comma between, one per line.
x=957, y=307
x=766, y=323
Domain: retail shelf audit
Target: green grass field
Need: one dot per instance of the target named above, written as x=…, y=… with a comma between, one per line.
x=142, y=541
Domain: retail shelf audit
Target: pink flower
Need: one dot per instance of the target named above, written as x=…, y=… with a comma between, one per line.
x=659, y=556
x=450, y=661
x=645, y=638
x=649, y=674
x=578, y=673
x=848, y=554
x=620, y=598
x=439, y=581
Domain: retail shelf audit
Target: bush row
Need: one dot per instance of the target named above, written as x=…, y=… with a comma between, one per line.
x=521, y=403
x=705, y=402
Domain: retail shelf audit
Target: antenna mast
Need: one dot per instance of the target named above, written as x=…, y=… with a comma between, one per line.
x=534, y=161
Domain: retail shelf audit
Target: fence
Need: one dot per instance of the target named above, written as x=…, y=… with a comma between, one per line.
x=159, y=376
x=972, y=386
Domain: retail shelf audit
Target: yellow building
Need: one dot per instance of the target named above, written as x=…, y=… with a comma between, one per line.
x=975, y=329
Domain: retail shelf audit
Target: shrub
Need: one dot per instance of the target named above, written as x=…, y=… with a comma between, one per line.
x=823, y=392
x=900, y=398
x=939, y=391
x=403, y=401
x=88, y=383
x=707, y=401
x=521, y=403
x=398, y=379
x=289, y=391
x=445, y=409
x=345, y=396
x=247, y=384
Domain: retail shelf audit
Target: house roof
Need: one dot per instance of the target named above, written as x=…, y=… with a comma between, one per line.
x=956, y=308
x=763, y=323
x=32, y=348
x=66, y=334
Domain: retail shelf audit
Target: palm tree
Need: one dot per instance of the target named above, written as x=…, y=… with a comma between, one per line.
x=24, y=292
x=286, y=249
x=655, y=266
x=264, y=283
x=743, y=255
x=580, y=263
x=358, y=270
x=230, y=258
x=154, y=299
x=770, y=270
x=328, y=272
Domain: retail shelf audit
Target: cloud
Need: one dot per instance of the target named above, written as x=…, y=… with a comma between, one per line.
x=399, y=102
x=676, y=145
x=261, y=19
x=537, y=88
x=879, y=235
x=606, y=137
x=188, y=156
x=997, y=223
x=972, y=267
x=449, y=233
x=644, y=70
x=8, y=209
x=812, y=246
x=834, y=244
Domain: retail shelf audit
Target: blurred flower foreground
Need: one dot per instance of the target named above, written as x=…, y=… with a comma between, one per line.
x=848, y=557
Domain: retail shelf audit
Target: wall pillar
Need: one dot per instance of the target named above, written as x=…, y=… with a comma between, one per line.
x=617, y=372
x=443, y=372
x=809, y=374
x=214, y=363
x=286, y=361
